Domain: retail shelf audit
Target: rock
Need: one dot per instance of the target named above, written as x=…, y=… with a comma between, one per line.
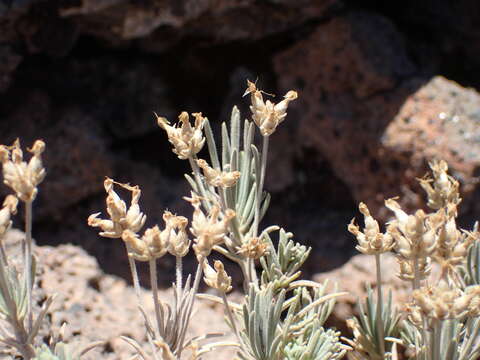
x=354, y=90
x=440, y=120
x=9, y=61
x=96, y=306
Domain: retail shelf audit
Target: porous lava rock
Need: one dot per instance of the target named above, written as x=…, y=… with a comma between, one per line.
x=365, y=109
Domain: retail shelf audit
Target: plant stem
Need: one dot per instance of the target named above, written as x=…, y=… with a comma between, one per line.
x=154, y=284
x=136, y=282
x=230, y=316
x=378, y=316
x=3, y=254
x=416, y=274
x=260, y=185
x=28, y=262
x=193, y=292
x=198, y=179
x=178, y=276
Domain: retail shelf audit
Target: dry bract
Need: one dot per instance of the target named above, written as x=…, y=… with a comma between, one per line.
x=217, y=278
x=9, y=208
x=20, y=176
x=187, y=141
x=178, y=244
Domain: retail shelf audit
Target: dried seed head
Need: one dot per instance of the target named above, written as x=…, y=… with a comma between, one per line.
x=137, y=248
x=157, y=241
x=121, y=218
x=407, y=272
x=20, y=176
x=452, y=245
x=371, y=241
x=178, y=244
x=218, y=278
x=267, y=115
x=253, y=248
x=209, y=230
x=414, y=235
x=441, y=302
x=445, y=189
x=216, y=177
x=9, y=208
x=186, y=140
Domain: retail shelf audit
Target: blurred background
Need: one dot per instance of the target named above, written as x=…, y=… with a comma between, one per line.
x=384, y=87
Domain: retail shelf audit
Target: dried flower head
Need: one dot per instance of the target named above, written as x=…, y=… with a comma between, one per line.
x=441, y=302
x=209, y=230
x=445, y=189
x=176, y=226
x=217, y=177
x=217, y=278
x=186, y=140
x=20, y=176
x=371, y=241
x=452, y=245
x=152, y=245
x=9, y=208
x=121, y=218
x=253, y=248
x=267, y=115
x=407, y=271
x=414, y=235
x=137, y=248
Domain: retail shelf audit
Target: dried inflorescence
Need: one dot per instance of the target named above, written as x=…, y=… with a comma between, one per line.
x=445, y=189
x=187, y=141
x=209, y=230
x=253, y=248
x=20, y=176
x=267, y=115
x=443, y=302
x=126, y=223
x=176, y=226
x=371, y=241
x=218, y=178
x=121, y=218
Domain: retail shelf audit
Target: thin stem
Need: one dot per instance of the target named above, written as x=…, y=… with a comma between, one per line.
x=378, y=316
x=136, y=282
x=193, y=292
x=261, y=179
x=435, y=339
x=3, y=254
x=28, y=262
x=198, y=179
x=230, y=316
x=416, y=274
x=178, y=276
x=154, y=284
